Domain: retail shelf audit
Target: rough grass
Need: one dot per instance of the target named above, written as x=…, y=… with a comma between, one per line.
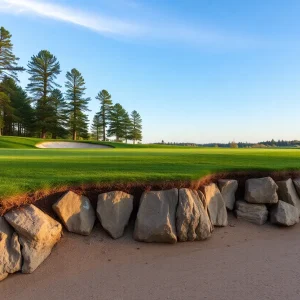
x=27, y=170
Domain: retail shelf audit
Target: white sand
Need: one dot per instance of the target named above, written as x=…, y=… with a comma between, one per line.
x=71, y=145
x=242, y=262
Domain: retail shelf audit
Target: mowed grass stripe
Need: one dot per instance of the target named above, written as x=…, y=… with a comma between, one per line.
x=28, y=170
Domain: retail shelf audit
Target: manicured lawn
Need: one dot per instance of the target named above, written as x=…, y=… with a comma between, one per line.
x=8, y=142
x=26, y=170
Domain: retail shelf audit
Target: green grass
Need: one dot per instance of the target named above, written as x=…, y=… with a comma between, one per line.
x=28, y=169
x=9, y=142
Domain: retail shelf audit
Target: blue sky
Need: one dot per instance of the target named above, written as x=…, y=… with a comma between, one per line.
x=196, y=70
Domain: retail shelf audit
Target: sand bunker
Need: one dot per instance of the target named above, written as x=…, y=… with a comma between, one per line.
x=69, y=145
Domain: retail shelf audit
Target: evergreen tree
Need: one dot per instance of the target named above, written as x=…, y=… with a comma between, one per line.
x=105, y=108
x=136, y=132
x=59, y=107
x=97, y=129
x=25, y=113
x=4, y=108
x=18, y=114
x=127, y=127
x=8, y=68
x=77, y=105
x=8, y=61
x=43, y=69
x=117, y=121
x=81, y=127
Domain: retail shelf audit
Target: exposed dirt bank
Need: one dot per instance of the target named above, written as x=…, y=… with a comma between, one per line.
x=70, y=145
x=241, y=261
x=44, y=199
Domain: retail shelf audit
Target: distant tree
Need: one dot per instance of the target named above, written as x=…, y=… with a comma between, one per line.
x=59, y=107
x=233, y=145
x=97, y=129
x=117, y=121
x=8, y=61
x=77, y=104
x=259, y=146
x=105, y=108
x=136, y=131
x=43, y=69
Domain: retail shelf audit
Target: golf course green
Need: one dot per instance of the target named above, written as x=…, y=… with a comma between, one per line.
x=25, y=169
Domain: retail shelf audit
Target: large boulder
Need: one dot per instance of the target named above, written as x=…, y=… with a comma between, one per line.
x=10, y=250
x=216, y=205
x=288, y=193
x=156, y=217
x=284, y=214
x=192, y=220
x=297, y=185
x=113, y=211
x=228, y=187
x=254, y=213
x=38, y=233
x=203, y=200
x=261, y=191
x=76, y=213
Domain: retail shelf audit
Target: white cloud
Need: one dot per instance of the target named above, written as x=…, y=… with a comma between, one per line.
x=143, y=30
x=96, y=22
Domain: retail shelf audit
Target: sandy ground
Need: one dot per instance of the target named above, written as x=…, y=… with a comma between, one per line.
x=62, y=145
x=241, y=261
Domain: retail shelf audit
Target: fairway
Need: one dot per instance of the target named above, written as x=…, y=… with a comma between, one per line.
x=27, y=170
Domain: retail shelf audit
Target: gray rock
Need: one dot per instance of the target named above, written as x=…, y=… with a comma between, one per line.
x=38, y=233
x=284, y=214
x=297, y=185
x=114, y=210
x=156, y=217
x=203, y=200
x=192, y=220
x=216, y=205
x=254, y=213
x=228, y=187
x=288, y=194
x=10, y=250
x=76, y=213
x=261, y=191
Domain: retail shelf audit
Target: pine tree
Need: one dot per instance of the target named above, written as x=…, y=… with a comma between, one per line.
x=82, y=125
x=43, y=69
x=127, y=127
x=4, y=107
x=8, y=61
x=136, y=132
x=18, y=113
x=77, y=105
x=59, y=107
x=97, y=129
x=105, y=108
x=117, y=121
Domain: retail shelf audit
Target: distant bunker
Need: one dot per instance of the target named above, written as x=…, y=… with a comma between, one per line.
x=70, y=145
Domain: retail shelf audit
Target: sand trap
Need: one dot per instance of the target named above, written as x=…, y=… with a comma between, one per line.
x=241, y=261
x=69, y=145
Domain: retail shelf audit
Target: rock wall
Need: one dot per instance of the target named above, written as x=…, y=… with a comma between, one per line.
x=27, y=234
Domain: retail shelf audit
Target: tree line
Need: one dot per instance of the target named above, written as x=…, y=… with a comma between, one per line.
x=264, y=144
x=43, y=110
